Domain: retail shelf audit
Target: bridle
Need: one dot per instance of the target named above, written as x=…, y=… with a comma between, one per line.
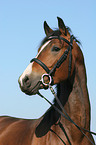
x=49, y=74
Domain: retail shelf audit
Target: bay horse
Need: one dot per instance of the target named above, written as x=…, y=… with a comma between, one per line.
x=59, y=62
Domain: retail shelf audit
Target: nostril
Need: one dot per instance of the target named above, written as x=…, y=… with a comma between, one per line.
x=26, y=81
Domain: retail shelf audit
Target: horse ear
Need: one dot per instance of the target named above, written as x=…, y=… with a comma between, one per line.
x=62, y=26
x=47, y=29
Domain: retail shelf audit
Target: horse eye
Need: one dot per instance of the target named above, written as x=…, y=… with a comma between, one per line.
x=55, y=48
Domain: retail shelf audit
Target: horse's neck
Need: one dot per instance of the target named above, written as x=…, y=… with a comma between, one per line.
x=74, y=97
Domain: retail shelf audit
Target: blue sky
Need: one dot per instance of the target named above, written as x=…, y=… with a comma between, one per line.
x=21, y=31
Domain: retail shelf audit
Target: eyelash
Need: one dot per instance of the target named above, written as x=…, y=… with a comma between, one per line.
x=55, y=49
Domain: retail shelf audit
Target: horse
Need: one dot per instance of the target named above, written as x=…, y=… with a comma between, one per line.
x=59, y=62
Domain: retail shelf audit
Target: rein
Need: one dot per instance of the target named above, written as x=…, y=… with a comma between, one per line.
x=66, y=116
x=49, y=75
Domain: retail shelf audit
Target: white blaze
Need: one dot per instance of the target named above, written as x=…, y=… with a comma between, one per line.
x=42, y=48
x=28, y=70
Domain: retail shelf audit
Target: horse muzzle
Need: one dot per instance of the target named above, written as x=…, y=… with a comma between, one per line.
x=29, y=86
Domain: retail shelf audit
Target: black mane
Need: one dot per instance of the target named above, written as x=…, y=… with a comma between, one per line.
x=54, y=33
x=57, y=32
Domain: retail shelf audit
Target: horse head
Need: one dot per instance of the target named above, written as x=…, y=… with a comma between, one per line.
x=53, y=58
